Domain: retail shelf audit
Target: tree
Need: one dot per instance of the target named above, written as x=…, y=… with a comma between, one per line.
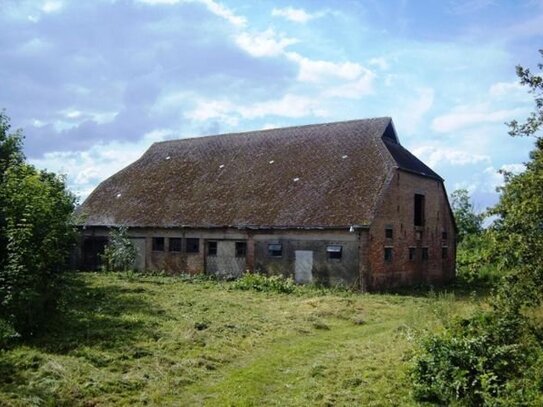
x=120, y=253
x=496, y=356
x=467, y=221
x=35, y=236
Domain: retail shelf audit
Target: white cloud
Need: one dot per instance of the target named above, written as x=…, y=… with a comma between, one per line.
x=505, y=89
x=433, y=155
x=264, y=44
x=413, y=110
x=316, y=71
x=290, y=105
x=468, y=116
x=353, y=90
x=51, y=6
x=296, y=15
x=380, y=63
x=214, y=7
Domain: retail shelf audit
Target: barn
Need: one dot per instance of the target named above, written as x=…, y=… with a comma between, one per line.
x=339, y=203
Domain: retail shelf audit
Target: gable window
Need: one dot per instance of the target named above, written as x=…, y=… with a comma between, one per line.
x=193, y=245
x=158, y=244
x=412, y=253
x=419, y=210
x=334, y=252
x=425, y=255
x=275, y=250
x=175, y=244
x=444, y=235
x=444, y=252
x=389, y=233
x=211, y=248
x=388, y=254
x=241, y=249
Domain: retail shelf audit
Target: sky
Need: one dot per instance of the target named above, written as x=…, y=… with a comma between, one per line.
x=93, y=84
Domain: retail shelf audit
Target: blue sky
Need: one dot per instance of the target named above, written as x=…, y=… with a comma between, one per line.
x=93, y=84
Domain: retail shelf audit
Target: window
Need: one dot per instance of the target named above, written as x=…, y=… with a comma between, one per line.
x=444, y=235
x=419, y=210
x=175, y=244
x=193, y=245
x=424, y=253
x=241, y=249
x=412, y=253
x=444, y=252
x=334, y=252
x=275, y=250
x=158, y=244
x=211, y=248
x=388, y=253
x=389, y=233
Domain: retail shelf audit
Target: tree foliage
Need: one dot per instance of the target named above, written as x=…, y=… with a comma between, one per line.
x=468, y=222
x=495, y=358
x=35, y=235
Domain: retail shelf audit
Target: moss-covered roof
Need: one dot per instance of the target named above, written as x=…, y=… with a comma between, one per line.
x=322, y=175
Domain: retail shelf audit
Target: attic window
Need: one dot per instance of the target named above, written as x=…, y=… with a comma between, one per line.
x=444, y=235
x=412, y=253
x=444, y=252
x=158, y=244
x=419, y=210
x=193, y=245
x=275, y=250
x=175, y=244
x=334, y=252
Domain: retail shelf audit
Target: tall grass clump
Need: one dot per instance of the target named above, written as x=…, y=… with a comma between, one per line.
x=260, y=282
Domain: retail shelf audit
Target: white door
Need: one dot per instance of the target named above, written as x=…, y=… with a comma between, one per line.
x=303, y=266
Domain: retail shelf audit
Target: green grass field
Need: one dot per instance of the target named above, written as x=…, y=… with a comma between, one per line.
x=143, y=340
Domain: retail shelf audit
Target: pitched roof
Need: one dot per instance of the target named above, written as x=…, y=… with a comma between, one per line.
x=322, y=175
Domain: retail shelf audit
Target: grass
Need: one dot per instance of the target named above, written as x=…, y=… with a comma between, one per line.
x=125, y=339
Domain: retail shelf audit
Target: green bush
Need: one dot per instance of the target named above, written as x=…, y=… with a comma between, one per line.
x=260, y=282
x=120, y=253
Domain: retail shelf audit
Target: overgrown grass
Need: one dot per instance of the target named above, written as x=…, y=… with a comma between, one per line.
x=127, y=339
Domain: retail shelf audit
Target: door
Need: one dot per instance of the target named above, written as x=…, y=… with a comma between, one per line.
x=225, y=258
x=303, y=271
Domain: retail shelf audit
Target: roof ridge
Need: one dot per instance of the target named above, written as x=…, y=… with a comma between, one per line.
x=247, y=132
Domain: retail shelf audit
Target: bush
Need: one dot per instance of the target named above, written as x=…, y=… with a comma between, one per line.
x=120, y=253
x=260, y=282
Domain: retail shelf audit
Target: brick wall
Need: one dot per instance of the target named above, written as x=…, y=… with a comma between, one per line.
x=396, y=211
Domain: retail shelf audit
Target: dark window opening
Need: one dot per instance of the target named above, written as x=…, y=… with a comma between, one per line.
x=444, y=252
x=334, y=252
x=419, y=210
x=275, y=250
x=388, y=253
x=412, y=253
x=425, y=253
x=241, y=249
x=444, y=235
x=211, y=248
x=158, y=244
x=193, y=245
x=175, y=244
x=93, y=250
x=389, y=233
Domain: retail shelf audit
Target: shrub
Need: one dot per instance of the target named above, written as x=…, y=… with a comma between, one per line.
x=120, y=253
x=260, y=282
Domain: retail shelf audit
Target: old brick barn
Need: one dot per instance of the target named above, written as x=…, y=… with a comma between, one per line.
x=335, y=203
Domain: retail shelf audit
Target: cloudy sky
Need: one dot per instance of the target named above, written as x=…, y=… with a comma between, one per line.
x=94, y=83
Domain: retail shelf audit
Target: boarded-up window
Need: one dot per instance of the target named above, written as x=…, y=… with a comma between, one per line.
x=193, y=245
x=158, y=244
x=412, y=253
x=334, y=252
x=275, y=250
x=419, y=210
x=175, y=244
x=388, y=254
x=241, y=249
x=211, y=248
